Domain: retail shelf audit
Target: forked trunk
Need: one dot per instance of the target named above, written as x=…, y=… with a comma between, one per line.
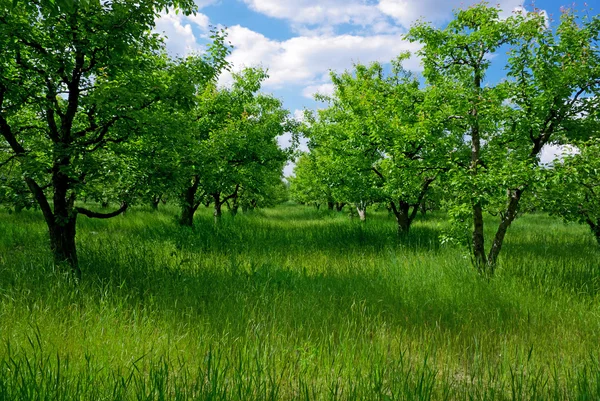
x=339, y=206
x=478, y=239
x=402, y=214
x=514, y=196
x=361, y=209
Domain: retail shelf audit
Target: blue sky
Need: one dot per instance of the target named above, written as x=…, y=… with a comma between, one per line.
x=300, y=41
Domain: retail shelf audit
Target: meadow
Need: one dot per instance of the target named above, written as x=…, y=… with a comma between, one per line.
x=294, y=304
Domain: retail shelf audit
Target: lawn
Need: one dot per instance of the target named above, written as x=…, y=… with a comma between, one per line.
x=291, y=303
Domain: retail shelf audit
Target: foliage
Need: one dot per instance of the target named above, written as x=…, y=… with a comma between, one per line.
x=234, y=149
x=380, y=140
x=75, y=83
x=309, y=184
x=507, y=124
x=573, y=185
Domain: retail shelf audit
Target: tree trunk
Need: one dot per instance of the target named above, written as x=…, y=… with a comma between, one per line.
x=62, y=244
x=478, y=240
x=402, y=213
x=218, y=212
x=189, y=205
x=507, y=218
x=339, y=206
x=595, y=227
x=187, y=216
x=235, y=201
x=61, y=223
x=63, y=227
x=361, y=209
x=155, y=201
x=330, y=205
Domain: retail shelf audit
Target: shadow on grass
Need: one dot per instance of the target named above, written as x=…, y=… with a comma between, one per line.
x=573, y=265
x=230, y=294
x=273, y=234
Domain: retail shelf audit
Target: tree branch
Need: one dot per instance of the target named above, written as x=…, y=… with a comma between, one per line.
x=96, y=215
x=40, y=197
x=11, y=158
x=378, y=173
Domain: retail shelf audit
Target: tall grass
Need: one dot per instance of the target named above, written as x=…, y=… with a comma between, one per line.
x=290, y=304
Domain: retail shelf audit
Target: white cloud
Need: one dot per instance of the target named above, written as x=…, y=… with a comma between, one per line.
x=407, y=12
x=201, y=21
x=203, y=3
x=315, y=12
x=550, y=153
x=178, y=32
x=307, y=60
x=323, y=89
x=373, y=14
x=299, y=115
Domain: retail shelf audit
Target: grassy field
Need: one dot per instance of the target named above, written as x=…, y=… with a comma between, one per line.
x=289, y=304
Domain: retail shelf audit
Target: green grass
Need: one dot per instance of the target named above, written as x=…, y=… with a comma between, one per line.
x=289, y=304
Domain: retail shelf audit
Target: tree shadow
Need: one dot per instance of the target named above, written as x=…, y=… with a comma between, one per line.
x=246, y=270
x=573, y=264
x=240, y=290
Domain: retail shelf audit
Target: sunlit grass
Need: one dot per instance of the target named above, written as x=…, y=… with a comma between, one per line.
x=290, y=303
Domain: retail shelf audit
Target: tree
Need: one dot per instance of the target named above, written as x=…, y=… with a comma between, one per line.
x=234, y=148
x=73, y=82
x=550, y=76
x=572, y=189
x=383, y=139
x=343, y=166
x=309, y=184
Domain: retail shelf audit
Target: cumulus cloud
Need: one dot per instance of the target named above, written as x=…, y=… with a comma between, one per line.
x=323, y=89
x=551, y=153
x=406, y=12
x=178, y=33
x=315, y=12
x=203, y=3
x=307, y=60
x=373, y=14
x=200, y=20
